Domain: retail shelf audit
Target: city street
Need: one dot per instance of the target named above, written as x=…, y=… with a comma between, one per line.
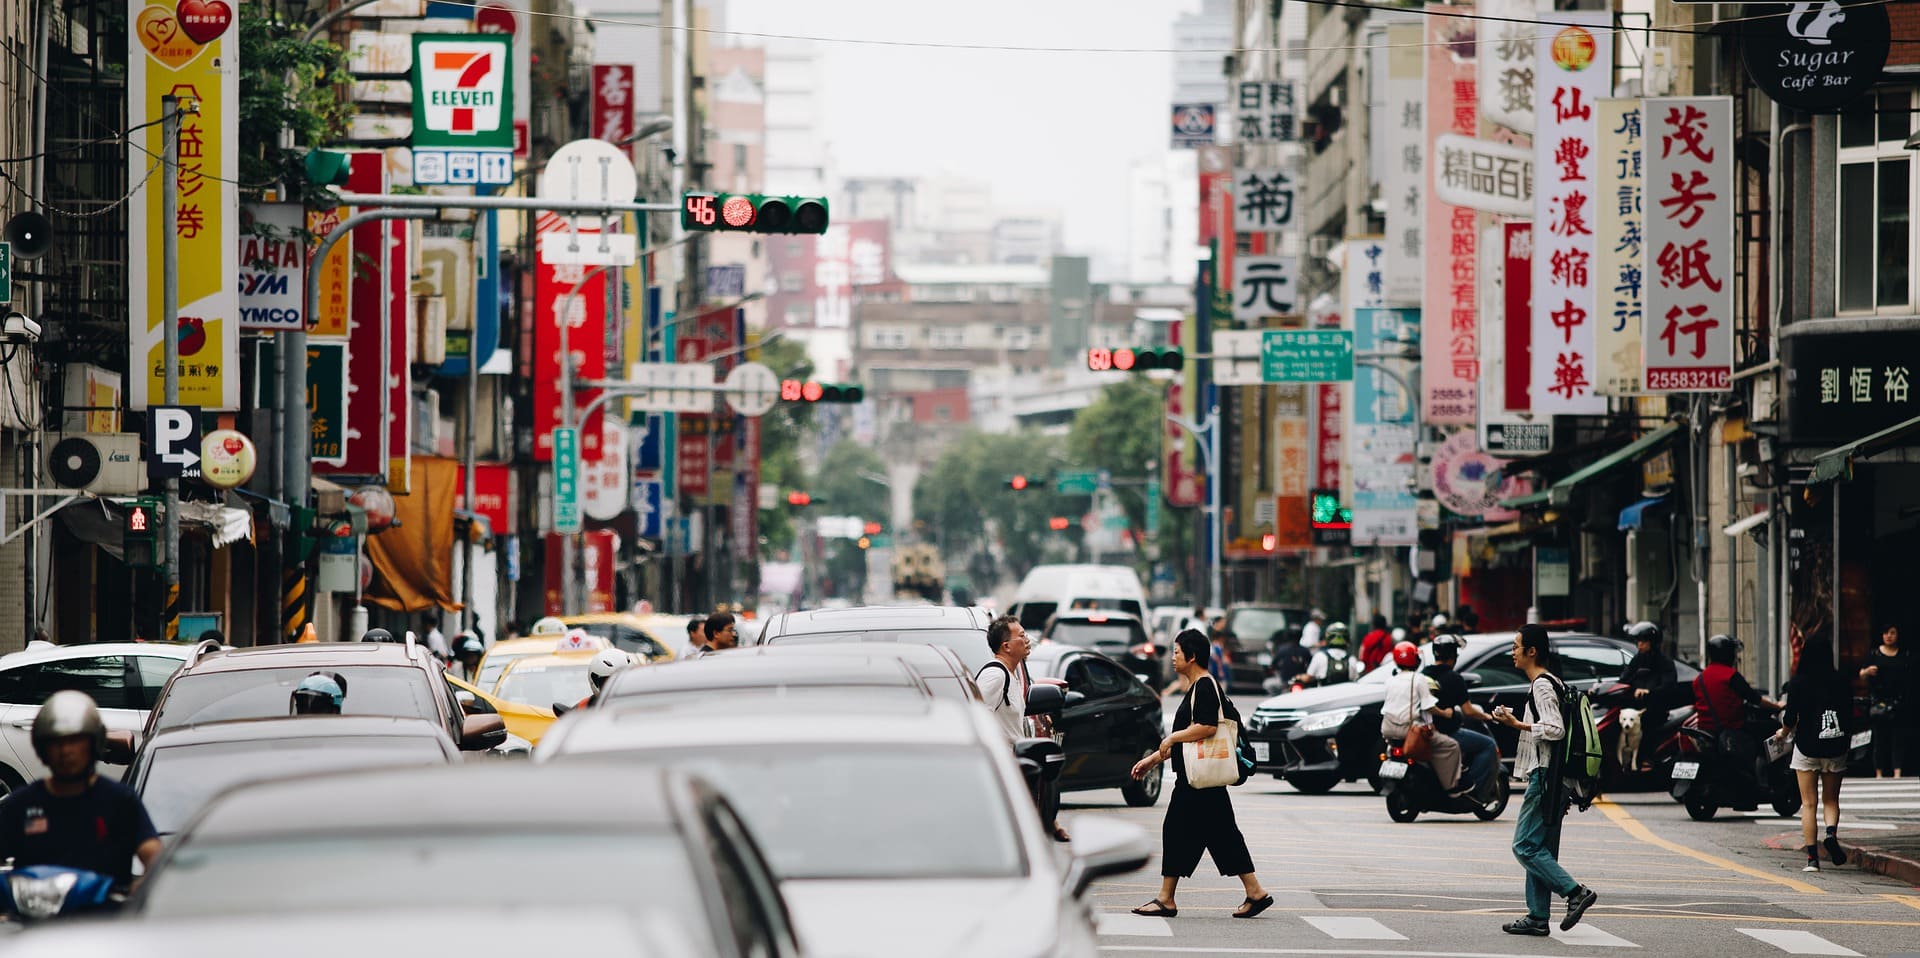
x=1347, y=881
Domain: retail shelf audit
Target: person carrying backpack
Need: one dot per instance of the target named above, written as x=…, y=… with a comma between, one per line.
x=1332, y=662
x=1540, y=813
x=1819, y=707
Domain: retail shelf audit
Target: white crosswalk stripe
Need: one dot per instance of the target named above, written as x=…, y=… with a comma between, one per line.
x=1585, y=935
x=1132, y=926
x=1797, y=942
x=1352, y=928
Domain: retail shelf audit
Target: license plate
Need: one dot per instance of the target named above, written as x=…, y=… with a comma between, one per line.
x=1686, y=771
x=1393, y=770
x=1862, y=739
x=1261, y=750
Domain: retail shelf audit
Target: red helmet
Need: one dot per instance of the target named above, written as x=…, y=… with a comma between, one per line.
x=1406, y=655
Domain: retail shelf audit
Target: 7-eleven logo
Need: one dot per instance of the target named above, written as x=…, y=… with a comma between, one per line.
x=461, y=84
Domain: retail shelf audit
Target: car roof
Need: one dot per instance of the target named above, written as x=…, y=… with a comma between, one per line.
x=925, y=659
x=877, y=618
x=722, y=672
x=536, y=644
x=56, y=653
x=472, y=797
x=1092, y=615
x=595, y=618
x=310, y=655
x=298, y=726
x=638, y=724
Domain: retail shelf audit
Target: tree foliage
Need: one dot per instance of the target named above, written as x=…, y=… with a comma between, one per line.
x=845, y=486
x=287, y=83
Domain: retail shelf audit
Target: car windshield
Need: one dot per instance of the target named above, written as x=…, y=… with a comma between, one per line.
x=348, y=874
x=833, y=813
x=1257, y=625
x=544, y=685
x=495, y=664
x=179, y=779
x=1088, y=634
x=969, y=644
x=395, y=690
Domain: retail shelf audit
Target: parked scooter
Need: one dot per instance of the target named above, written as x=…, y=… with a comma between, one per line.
x=1705, y=778
x=1640, y=751
x=1412, y=787
x=40, y=892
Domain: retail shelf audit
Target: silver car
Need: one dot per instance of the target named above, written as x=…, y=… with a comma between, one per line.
x=894, y=826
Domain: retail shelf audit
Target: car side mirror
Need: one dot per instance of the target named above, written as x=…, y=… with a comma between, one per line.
x=1075, y=698
x=1039, y=757
x=479, y=733
x=1471, y=678
x=1045, y=700
x=1103, y=848
x=119, y=750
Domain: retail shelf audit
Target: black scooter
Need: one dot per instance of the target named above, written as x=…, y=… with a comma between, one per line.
x=1706, y=778
x=1412, y=787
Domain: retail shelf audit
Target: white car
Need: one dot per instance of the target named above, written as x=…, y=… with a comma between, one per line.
x=123, y=678
x=894, y=826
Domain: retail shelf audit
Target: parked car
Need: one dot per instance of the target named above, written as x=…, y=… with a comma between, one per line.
x=1251, y=630
x=892, y=826
x=1116, y=635
x=964, y=630
x=383, y=678
x=1319, y=737
x=122, y=678
x=510, y=840
x=524, y=722
x=938, y=666
x=179, y=770
x=1048, y=589
x=546, y=680
x=1110, y=722
x=717, y=678
x=502, y=653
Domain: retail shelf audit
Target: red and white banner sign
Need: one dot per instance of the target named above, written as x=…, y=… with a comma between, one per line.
x=1688, y=333
x=1573, y=69
x=1450, y=320
x=1517, y=370
x=585, y=313
x=612, y=102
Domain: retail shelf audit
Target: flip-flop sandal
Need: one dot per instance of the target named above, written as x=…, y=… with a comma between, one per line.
x=1254, y=908
x=1154, y=909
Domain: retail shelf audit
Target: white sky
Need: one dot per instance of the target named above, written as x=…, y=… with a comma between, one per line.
x=1047, y=130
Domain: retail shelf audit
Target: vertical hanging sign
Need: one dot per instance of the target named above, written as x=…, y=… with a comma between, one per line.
x=1516, y=293
x=1507, y=63
x=1573, y=70
x=1403, y=186
x=1619, y=223
x=613, y=102
x=1449, y=343
x=187, y=51
x=1688, y=336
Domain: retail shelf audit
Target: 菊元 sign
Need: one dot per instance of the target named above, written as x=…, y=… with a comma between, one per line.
x=1263, y=200
x=1265, y=286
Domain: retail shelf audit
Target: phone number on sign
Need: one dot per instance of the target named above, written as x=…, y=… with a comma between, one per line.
x=1717, y=378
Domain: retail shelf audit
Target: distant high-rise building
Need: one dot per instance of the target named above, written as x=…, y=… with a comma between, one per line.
x=1202, y=40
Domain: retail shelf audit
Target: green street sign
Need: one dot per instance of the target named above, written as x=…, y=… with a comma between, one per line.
x=1153, y=507
x=326, y=395
x=1306, y=356
x=1082, y=483
x=566, y=480
x=6, y=272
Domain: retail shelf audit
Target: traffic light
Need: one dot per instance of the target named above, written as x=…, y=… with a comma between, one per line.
x=138, y=535
x=1018, y=483
x=798, y=498
x=872, y=529
x=863, y=542
x=1101, y=359
x=795, y=390
x=753, y=213
x=1059, y=523
x=1328, y=513
x=327, y=167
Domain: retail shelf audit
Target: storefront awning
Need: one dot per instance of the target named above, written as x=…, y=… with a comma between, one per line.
x=1561, y=493
x=1837, y=463
x=1633, y=516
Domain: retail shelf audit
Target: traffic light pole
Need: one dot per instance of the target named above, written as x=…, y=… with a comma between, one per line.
x=170, y=350
x=1207, y=433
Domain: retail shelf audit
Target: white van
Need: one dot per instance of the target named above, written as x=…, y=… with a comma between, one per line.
x=1057, y=588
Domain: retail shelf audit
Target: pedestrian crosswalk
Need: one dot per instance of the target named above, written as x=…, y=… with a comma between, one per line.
x=1336, y=927
x=1863, y=800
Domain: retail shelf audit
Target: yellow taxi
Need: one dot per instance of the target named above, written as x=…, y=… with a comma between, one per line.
x=648, y=637
x=526, y=721
x=505, y=651
x=539, y=681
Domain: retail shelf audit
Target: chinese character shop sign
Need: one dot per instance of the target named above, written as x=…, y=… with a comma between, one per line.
x=1573, y=70
x=186, y=50
x=1687, y=331
x=1620, y=241
x=612, y=101
x=1264, y=112
x=1450, y=336
x=1849, y=378
x=1263, y=200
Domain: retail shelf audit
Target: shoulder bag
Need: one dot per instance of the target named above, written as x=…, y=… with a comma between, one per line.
x=1418, y=745
x=1213, y=762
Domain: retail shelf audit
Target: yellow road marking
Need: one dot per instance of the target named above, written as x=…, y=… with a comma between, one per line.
x=1911, y=901
x=1632, y=826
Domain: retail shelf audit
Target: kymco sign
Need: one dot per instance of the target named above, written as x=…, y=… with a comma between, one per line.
x=462, y=91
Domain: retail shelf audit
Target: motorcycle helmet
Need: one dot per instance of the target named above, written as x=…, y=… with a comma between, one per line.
x=1723, y=649
x=1336, y=635
x=64, y=715
x=1399, y=635
x=1439, y=621
x=1645, y=632
x=319, y=694
x=469, y=644
x=608, y=662
x=377, y=635
x=1406, y=655
x=548, y=625
x=1446, y=647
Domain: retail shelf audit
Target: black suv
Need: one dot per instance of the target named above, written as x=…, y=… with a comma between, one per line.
x=383, y=678
x=1116, y=635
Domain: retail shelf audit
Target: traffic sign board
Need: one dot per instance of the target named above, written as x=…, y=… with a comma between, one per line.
x=569, y=248
x=1306, y=355
x=752, y=389
x=1081, y=482
x=173, y=442
x=680, y=387
x=566, y=480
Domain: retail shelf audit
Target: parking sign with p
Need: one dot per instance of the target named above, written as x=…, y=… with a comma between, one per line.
x=173, y=442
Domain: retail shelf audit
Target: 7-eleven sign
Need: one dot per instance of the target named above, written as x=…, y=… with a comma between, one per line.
x=462, y=91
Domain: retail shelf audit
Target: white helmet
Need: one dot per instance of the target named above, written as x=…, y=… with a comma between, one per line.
x=548, y=625
x=1439, y=620
x=606, y=664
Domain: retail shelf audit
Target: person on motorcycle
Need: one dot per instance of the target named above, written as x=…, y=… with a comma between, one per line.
x=1650, y=672
x=322, y=693
x=1411, y=701
x=1290, y=662
x=1479, y=750
x=76, y=817
x=1720, y=699
x=1331, y=662
x=605, y=666
x=468, y=650
x=1377, y=644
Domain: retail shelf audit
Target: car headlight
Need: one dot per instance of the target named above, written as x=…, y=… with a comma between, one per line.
x=1328, y=720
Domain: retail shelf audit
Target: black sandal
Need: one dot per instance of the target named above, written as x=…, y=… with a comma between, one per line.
x=1154, y=909
x=1254, y=908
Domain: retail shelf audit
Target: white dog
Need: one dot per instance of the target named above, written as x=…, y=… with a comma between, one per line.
x=1630, y=733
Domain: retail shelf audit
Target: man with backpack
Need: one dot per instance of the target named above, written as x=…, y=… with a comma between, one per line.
x=1003, y=685
x=1537, y=761
x=1332, y=662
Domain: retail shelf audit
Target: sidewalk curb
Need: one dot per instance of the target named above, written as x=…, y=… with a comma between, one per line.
x=1867, y=857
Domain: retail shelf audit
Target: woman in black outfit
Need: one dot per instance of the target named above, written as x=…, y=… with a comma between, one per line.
x=1895, y=708
x=1818, y=712
x=1198, y=819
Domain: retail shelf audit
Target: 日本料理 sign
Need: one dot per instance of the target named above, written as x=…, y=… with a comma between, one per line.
x=1306, y=355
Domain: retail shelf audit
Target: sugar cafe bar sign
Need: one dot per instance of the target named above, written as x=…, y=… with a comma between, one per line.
x=1816, y=57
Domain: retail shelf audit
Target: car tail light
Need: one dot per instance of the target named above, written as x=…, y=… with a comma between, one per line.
x=1148, y=651
x=1096, y=618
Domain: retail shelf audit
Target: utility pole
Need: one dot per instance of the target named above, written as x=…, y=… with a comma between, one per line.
x=170, y=339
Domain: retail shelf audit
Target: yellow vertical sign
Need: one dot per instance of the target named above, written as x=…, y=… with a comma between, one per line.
x=188, y=50
x=336, y=287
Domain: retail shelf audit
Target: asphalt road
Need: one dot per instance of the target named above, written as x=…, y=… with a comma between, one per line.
x=1349, y=882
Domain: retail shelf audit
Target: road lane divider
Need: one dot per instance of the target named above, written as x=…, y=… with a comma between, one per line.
x=1632, y=826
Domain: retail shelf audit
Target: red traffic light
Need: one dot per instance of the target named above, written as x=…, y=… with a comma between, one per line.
x=1017, y=483
x=1269, y=542
x=1059, y=523
x=797, y=498
x=1123, y=359
x=811, y=391
x=737, y=212
x=138, y=520
x=872, y=528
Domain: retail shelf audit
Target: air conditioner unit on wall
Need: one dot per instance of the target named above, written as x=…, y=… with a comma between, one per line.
x=101, y=463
